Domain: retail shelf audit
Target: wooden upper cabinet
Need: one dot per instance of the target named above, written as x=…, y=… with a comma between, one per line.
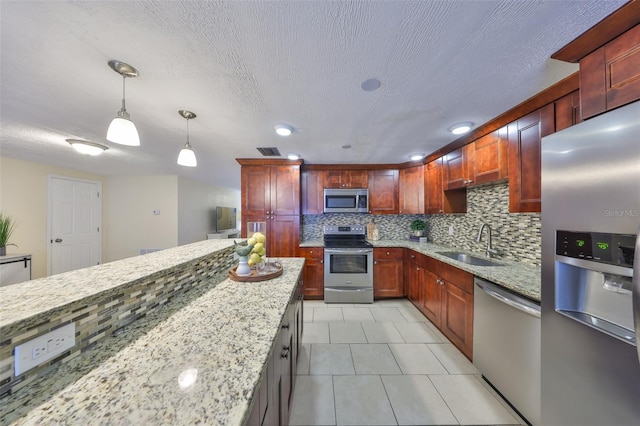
x=525, y=137
x=346, y=179
x=433, y=193
x=568, y=110
x=312, y=182
x=488, y=158
x=610, y=75
x=285, y=190
x=383, y=191
x=255, y=182
x=411, y=190
x=456, y=168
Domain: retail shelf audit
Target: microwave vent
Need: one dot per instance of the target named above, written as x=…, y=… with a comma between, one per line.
x=269, y=152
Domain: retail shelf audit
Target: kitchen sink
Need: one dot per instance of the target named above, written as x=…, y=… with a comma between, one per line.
x=468, y=259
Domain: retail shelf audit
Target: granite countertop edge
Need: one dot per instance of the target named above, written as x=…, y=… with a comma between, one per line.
x=518, y=277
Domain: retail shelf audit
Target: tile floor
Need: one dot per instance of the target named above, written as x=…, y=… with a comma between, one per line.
x=386, y=364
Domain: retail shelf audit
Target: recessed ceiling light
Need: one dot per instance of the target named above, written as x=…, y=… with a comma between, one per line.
x=370, y=85
x=293, y=156
x=283, y=129
x=416, y=157
x=460, y=128
x=346, y=146
x=86, y=147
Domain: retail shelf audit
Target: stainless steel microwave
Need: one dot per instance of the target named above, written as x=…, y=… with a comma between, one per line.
x=346, y=200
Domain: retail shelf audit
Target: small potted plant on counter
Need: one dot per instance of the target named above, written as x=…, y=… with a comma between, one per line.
x=7, y=225
x=418, y=226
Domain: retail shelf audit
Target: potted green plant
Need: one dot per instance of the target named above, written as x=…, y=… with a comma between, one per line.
x=418, y=226
x=7, y=225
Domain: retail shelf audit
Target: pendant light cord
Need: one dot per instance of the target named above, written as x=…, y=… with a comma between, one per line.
x=188, y=145
x=123, y=79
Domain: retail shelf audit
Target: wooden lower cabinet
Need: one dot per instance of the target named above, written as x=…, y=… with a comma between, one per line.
x=272, y=401
x=387, y=272
x=313, y=272
x=444, y=294
x=282, y=233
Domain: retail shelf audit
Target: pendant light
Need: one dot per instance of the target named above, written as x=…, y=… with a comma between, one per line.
x=122, y=130
x=187, y=157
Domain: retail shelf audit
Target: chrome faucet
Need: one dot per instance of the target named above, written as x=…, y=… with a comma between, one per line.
x=490, y=249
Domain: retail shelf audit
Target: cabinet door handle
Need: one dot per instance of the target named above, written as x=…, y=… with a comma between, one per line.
x=375, y=262
x=388, y=253
x=285, y=354
x=322, y=261
x=285, y=326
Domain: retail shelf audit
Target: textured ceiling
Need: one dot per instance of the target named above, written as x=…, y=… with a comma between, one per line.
x=244, y=66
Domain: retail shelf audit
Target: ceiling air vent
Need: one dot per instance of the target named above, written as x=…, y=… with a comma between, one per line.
x=269, y=152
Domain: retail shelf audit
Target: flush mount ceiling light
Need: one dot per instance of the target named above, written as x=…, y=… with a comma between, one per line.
x=347, y=146
x=86, y=147
x=416, y=157
x=460, y=128
x=283, y=129
x=122, y=130
x=187, y=157
x=293, y=156
x=370, y=85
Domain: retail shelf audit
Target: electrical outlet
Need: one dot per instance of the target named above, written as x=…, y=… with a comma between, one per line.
x=43, y=348
x=450, y=229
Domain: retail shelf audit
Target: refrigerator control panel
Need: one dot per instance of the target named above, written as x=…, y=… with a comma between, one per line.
x=615, y=249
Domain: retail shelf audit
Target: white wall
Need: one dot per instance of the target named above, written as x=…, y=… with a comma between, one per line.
x=24, y=196
x=128, y=219
x=196, y=208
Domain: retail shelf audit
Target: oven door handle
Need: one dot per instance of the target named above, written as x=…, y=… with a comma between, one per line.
x=348, y=251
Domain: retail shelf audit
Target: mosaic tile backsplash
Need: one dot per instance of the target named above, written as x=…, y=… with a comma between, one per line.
x=516, y=236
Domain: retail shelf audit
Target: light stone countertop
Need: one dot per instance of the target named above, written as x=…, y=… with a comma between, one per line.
x=40, y=296
x=518, y=277
x=224, y=332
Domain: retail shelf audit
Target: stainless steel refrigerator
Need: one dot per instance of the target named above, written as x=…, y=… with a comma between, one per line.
x=590, y=272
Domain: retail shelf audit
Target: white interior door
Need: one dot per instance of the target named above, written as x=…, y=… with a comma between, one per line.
x=75, y=237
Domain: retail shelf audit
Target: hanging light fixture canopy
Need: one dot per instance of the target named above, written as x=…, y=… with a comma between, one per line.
x=187, y=157
x=86, y=147
x=122, y=130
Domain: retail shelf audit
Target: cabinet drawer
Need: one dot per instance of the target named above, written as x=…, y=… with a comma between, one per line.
x=461, y=279
x=311, y=252
x=387, y=253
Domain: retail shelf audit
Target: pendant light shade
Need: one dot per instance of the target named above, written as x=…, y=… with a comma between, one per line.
x=122, y=130
x=187, y=157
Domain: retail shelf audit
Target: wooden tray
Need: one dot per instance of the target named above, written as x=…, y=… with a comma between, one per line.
x=255, y=276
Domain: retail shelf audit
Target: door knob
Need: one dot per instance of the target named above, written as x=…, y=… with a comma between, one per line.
x=58, y=240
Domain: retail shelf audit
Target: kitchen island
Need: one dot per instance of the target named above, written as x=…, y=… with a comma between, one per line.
x=198, y=359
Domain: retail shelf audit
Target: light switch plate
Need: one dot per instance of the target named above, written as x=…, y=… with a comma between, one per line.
x=43, y=348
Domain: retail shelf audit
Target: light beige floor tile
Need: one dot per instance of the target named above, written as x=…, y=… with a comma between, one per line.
x=416, y=358
x=435, y=330
x=315, y=304
x=357, y=314
x=315, y=332
x=327, y=314
x=303, y=358
x=411, y=313
x=389, y=303
x=415, y=401
x=313, y=402
x=331, y=359
x=362, y=400
x=381, y=332
x=387, y=314
x=452, y=359
x=341, y=305
x=374, y=359
x=307, y=314
x=416, y=332
x=495, y=394
x=346, y=332
x=470, y=402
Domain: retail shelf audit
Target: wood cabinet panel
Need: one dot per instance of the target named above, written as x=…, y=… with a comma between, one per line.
x=457, y=318
x=255, y=182
x=383, y=191
x=567, y=111
x=610, y=75
x=488, y=158
x=346, y=179
x=433, y=187
x=283, y=234
x=312, y=188
x=525, y=137
x=285, y=190
x=387, y=272
x=432, y=302
x=313, y=273
x=411, y=190
x=456, y=168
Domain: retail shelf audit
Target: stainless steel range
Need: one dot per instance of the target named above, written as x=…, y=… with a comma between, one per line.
x=348, y=265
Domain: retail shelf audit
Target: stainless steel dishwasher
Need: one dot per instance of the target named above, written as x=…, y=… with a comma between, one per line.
x=506, y=346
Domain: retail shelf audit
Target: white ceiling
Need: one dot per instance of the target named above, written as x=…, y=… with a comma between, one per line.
x=244, y=66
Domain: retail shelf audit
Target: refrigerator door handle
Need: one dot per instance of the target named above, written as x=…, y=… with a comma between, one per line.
x=636, y=291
